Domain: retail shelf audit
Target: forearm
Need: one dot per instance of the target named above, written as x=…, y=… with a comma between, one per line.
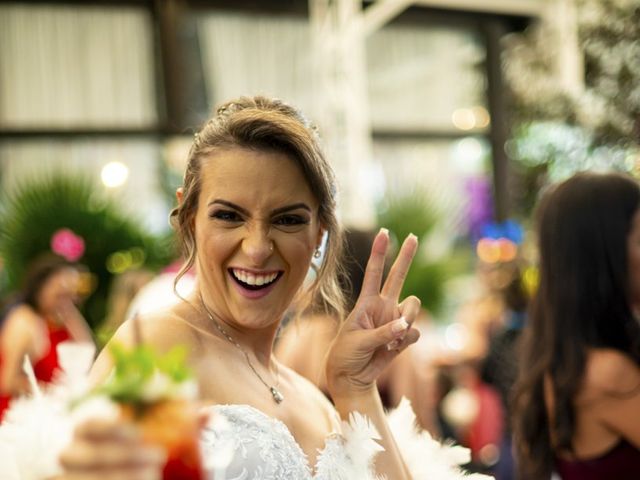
x=77, y=326
x=367, y=402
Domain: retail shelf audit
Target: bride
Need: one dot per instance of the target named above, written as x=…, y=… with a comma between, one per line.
x=257, y=201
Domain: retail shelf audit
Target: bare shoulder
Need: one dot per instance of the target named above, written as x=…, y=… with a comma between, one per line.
x=21, y=320
x=162, y=330
x=610, y=371
x=613, y=380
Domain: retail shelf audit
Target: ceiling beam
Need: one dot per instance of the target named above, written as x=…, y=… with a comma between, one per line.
x=527, y=8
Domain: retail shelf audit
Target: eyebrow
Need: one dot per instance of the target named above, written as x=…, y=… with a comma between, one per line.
x=286, y=208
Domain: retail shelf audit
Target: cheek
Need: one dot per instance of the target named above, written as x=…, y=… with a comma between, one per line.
x=46, y=298
x=212, y=248
x=302, y=246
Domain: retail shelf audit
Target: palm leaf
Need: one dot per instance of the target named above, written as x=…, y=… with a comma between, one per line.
x=38, y=207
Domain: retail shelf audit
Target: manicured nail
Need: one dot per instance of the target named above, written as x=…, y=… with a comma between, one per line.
x=399, y=325
x=393, y=344
x=385, y=231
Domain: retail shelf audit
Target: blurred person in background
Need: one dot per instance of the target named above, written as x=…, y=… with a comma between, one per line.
x=578, y=391
x=123, y=290
x=500, y=367
x=474, y=409
x=41, y=316
x=305, y=340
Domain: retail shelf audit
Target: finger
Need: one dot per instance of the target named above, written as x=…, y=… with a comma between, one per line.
x=375, y=266
x=375, y=338
x=110, y=456
x=146, y=473
x=400, y=268
x=107, y=430
x=399, y=344
x=410, y=308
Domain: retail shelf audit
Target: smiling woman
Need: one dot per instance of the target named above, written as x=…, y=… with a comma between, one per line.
x=258, y=198
x=255, y=236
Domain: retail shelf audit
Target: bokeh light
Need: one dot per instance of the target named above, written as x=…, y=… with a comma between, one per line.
x=114, y=174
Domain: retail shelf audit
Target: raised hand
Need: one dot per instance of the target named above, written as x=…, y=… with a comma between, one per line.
x=110, y=450
x=379, y=327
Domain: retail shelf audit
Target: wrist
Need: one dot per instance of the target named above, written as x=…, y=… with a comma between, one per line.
x=353, y=392
x=348, y=388
x=362, y=400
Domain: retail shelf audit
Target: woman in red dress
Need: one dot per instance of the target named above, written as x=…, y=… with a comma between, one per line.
x=43, y=316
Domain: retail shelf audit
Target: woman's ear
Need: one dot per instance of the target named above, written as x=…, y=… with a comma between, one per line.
x=179, y=195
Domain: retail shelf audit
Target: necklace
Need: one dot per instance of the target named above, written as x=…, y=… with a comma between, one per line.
x=273, y=389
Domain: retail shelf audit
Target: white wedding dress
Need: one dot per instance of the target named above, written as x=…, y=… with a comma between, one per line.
x=249, y=445
x=258, y=447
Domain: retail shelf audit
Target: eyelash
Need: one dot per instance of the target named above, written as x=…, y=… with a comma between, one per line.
x=226, y=216
x=283, y=221
x=291, y=220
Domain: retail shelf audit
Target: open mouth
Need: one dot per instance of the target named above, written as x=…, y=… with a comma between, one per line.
x=253, y=281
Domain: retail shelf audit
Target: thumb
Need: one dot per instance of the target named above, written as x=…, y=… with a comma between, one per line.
x=380, y=336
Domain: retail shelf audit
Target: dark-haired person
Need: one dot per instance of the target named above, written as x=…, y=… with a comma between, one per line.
x=42, y=315
x=578, y=392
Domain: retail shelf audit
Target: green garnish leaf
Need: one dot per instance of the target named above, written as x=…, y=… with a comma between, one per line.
x=140, y=372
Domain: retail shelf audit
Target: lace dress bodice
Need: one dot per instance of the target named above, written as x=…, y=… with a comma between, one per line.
x=255, y=446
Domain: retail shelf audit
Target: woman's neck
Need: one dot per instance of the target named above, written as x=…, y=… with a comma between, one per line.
x=257, y=343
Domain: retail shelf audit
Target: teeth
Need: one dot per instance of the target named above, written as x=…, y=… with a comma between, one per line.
x=254, y=279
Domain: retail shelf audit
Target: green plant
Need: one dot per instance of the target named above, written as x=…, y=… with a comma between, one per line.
x=409, y=213
x=414, y=213
x=38, y=207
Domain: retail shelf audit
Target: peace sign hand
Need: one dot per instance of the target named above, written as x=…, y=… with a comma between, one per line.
x=379, y=327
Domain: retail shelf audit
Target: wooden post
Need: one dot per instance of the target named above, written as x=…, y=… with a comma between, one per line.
x=494, y=30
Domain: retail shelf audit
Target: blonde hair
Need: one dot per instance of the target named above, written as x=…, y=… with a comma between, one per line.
x=262, y=123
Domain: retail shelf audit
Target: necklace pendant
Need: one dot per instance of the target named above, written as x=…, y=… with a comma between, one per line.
x=277, y=396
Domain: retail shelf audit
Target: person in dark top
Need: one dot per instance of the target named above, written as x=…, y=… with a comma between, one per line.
x=500, y=367
x=578, y=390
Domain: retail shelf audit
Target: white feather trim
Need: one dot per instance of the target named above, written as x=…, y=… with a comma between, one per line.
x=427, y=458
x=350, y=455
x=360, y=443
x=34, y=433
x=37, y=429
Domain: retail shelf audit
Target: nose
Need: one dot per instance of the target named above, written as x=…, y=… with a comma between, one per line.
x=257, y=244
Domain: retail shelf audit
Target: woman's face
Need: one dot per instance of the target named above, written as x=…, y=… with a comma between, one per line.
x=256, y=229
x=60, y=289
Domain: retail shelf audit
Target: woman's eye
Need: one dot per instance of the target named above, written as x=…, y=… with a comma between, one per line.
x=290, y=220
x=226, y=216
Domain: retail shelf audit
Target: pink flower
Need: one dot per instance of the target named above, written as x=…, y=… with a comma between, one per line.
x=67, y=244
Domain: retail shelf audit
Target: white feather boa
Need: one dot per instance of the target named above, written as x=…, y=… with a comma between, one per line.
x=37, y=429
x=425, y=457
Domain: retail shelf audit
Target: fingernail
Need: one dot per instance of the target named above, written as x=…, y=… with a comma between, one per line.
x=411, y=235
x=392, y=345
x=399, y=325
x=384, y=230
